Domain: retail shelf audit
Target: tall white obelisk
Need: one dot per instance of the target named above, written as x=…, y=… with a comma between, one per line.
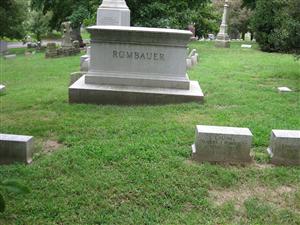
x=223, y=40
x=113, y=13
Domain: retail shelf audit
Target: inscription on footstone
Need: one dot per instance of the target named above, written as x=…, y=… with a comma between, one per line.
x=285, y=147
x=222, y=144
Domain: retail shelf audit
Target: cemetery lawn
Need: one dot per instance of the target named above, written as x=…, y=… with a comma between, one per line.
x=131, y=164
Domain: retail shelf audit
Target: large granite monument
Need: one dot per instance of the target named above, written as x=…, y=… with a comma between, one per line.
x=134, y=65
x=223, y=40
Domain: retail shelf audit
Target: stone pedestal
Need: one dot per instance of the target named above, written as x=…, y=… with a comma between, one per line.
x=135, y=65
x=223, y=40
x=114, y=13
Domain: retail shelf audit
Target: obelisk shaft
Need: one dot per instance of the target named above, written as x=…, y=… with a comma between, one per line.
x=222, y=39
x=113, y=13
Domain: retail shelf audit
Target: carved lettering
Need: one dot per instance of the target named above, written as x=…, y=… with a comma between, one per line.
x=140, y=56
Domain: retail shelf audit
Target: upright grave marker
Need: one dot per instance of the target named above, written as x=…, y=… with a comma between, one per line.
x=222, y=144
x=285, y=147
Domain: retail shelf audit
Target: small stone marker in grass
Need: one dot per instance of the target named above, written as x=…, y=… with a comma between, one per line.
x=246, y=46
x=10, y=56
x=284, y=89
x=285, y=147
x=15, y=148
x=2, y=88
x=222, y=144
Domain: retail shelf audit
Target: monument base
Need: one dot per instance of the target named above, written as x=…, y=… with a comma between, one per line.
x=222, y=43
x=80, y=92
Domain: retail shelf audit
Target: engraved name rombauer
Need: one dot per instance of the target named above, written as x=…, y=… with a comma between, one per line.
x=155, y=56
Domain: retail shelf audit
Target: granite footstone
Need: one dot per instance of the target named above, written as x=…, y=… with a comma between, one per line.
x=222, y=144
x=285, y=147
x=15, y=148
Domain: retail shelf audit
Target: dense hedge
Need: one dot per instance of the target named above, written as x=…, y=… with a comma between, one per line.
x=277, y=25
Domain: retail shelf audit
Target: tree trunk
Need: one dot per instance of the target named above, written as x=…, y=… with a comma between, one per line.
x=76, y=35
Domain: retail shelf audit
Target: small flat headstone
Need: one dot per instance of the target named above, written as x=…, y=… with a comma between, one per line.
x=10, y=56
x=189, y=64
x=246, y=46
x=284, y=89
x=222, y=144
x=285, y=147
x=15, y=148
x=2, y=88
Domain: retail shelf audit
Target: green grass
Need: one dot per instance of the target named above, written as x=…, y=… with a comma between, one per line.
x=130, y=164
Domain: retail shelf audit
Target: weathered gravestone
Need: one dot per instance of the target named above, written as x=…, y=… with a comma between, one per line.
x=136, y=65
x=285, y=147
x=222, y=144
x=15, y=148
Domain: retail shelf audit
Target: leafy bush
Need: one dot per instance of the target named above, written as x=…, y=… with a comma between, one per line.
x=277, y=25
x=11, y=186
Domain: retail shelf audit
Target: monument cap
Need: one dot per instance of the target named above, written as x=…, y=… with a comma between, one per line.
x=117, y=4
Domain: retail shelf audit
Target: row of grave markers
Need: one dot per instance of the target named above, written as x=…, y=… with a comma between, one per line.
x=213, y=144
x=232, y=145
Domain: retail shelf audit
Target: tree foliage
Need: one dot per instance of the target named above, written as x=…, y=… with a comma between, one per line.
x=149, y=13
x=277, y=25
x=174, y=14
x=12, y=15
x=38, y=24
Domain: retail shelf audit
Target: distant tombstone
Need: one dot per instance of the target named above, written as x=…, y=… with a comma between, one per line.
x=189, y=64
x=2, y=88
x=192, y=28
x=15, y=148
x=223, y=40
x=3, y=47
x=67, y=40
x=284, y=89
x=285, y=147
x=13, y=56
x=51, y=50
x=248, y=36
x=246, y=46
x=222, y=144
